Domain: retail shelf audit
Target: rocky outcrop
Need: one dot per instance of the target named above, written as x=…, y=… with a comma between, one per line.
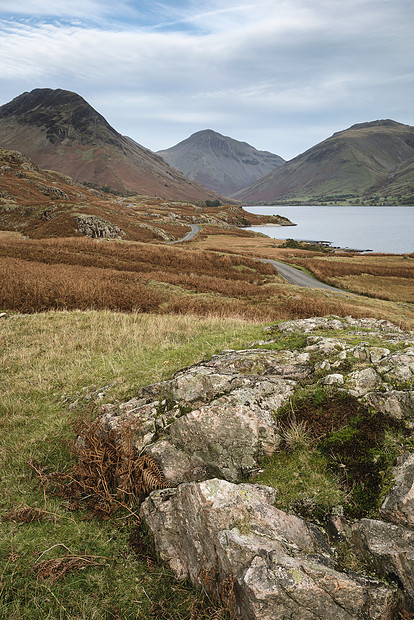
x=215, y=418
x=158, y=232
x=365, y=326
x=398, y=506
x=282, y=566
x=98, y=228
x=53, y=192
x=211, y=426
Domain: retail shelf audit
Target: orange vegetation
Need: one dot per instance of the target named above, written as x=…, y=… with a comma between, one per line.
x=381, y=276
x=76, y=273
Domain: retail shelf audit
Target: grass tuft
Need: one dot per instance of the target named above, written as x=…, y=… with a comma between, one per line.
x=55, y=561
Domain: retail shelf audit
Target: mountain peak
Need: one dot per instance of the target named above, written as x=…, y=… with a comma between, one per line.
x=28, y=104
x=61, y=131
x=219, y=162
x=350, y=165
x=387, y=122
x=64, y=114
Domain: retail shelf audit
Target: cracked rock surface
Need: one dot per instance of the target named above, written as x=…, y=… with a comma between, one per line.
x=210, y=426
x=282, y=567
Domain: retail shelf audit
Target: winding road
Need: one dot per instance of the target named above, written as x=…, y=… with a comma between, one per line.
x=288, y=273
x=195, y=229
x=298, y=277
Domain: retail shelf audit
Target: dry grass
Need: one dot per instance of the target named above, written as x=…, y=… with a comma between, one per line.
x=388, y=277
x=376, y=276
x=391, y=288
x=39, y=275
x=29, y=286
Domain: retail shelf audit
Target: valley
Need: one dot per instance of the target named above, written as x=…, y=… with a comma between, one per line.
x=150, y=344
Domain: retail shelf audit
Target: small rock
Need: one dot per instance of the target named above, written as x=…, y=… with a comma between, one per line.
x=398, y=506
x=398, y=367
x=229, y=440
x=335, y=379
x=390, y=547
x=324, y=365
x=363, y=381
x=376, y=354
x=395, y=403
x=176, y=465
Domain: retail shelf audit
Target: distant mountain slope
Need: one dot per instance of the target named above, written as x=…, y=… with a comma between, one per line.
x=350, y=164
x=60, y=131
x=41, y=203
x=220, y=163
x=399, y=186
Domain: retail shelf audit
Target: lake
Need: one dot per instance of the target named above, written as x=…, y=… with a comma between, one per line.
x=380, y=229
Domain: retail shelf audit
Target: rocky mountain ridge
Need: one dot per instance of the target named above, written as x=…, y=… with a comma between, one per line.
x=60, y=131
x=222, y=421
x=219, y=162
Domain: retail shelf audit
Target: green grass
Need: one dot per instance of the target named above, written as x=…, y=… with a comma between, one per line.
x=304, y=481
x=54, y=365
x=335, y=451
x=47, y=362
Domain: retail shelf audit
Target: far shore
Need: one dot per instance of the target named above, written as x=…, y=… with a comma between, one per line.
x=276, y=225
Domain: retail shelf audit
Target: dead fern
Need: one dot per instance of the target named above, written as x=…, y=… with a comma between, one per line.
x=220, y=594
x=109, y=473
x=58, y=568
x=27, y=514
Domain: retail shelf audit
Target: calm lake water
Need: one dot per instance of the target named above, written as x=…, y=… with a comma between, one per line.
x=380, y=229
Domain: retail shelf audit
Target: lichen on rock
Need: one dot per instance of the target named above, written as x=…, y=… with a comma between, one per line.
x=213, y=425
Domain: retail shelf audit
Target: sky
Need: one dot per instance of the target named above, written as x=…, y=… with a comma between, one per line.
x=281, y=75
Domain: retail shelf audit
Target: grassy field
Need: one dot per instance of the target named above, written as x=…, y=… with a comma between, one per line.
x=99, y=320
x=69, y=274
x=49, y=363
x=381, y=276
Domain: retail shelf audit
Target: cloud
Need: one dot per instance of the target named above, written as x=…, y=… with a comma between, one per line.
x=63, y=8
x=266, y=68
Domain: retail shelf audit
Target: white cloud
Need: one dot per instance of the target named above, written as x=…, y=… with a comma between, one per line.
x=266, y=68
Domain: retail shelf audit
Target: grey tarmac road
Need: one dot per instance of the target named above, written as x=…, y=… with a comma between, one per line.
x=289, y=273
x=298, y=277
x=195, y=229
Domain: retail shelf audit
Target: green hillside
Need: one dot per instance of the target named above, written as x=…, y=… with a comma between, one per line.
x=362, y=164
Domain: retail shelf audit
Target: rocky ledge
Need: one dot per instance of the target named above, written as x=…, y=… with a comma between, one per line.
x=215, y=426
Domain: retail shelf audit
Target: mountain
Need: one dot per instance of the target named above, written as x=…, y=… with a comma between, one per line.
x=220, y=163
x=40, y=204
x=351, y=164
x=60, y=131
x=399, y=186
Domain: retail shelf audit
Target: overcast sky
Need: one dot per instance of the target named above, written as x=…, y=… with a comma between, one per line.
x=279, y=74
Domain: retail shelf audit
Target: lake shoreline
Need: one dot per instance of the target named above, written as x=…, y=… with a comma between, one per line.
x=380, y=230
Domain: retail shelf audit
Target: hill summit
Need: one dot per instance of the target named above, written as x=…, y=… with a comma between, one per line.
x=60, y=131
x=219, y=162
x=368, y=159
